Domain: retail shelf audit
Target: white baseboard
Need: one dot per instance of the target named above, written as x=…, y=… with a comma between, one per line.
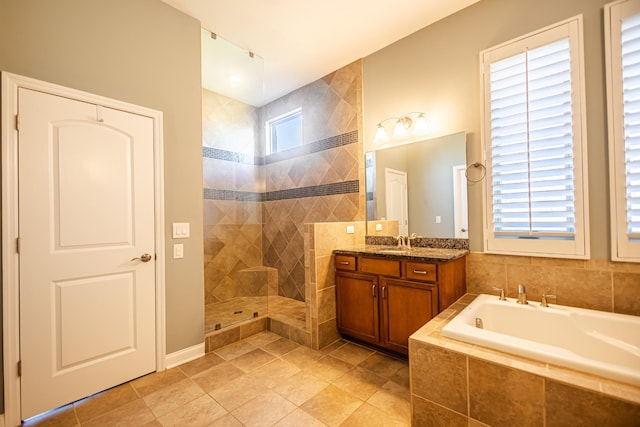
x=183, y=356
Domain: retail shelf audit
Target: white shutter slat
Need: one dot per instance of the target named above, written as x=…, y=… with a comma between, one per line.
x=531, y=143
x=631, y=103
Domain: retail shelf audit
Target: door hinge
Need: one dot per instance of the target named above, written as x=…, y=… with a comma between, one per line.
x=18, y=245
x=17, y=122
x=19, y=368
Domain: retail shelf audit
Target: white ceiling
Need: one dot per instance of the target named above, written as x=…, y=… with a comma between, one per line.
x=303, y=40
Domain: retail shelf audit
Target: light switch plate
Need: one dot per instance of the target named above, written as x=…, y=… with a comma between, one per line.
x=378, y=227
x=178, y=251
x=438, y=219
x=180, y=230
x=351, y=229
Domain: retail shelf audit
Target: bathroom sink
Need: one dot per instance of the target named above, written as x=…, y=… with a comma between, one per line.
x=394, y=251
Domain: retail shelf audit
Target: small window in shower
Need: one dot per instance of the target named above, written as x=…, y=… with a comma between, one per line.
x=284, y=132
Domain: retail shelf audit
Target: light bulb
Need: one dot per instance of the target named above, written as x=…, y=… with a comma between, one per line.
x=421, y=126
x=381, y=134
x=400, y=129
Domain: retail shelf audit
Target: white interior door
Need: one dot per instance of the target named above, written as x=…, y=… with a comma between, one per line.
x=461, y=221
x=396, y=198
x=86, y=217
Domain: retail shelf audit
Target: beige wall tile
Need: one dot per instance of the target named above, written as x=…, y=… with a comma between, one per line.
x=427, y=413
x=569, y=406
x=278, y=327
x=483, y=276
x=220, y=339
x=327, y=333
x=326, y=304
x=439, y=375
x=300, y=336
x=626, y=293
x=587, y=284
x=590, y=289
x=501, y=396
x=253, y=327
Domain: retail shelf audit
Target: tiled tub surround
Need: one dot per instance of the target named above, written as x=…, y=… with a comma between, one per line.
x=592, y=341
x=458, y=384
x=596, y=284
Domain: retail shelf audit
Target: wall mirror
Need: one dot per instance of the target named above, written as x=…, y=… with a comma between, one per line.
x=422, y=185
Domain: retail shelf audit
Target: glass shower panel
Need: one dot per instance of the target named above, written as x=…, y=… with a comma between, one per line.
x=236, y=283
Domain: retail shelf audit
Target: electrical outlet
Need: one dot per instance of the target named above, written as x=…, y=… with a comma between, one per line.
x=351, y=229
x=378, y=227
x=178, y=251
x=438, y=219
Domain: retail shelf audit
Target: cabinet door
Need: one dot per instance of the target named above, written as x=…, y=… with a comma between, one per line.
x=406, y=306
x=357, y=306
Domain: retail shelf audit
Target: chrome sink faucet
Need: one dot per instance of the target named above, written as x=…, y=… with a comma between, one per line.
x=522, y=295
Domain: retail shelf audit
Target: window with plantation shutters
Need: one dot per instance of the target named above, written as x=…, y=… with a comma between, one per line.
x=622, y=33
x=535, y=150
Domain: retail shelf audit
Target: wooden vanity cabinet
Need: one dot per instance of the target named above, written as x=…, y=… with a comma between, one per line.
x=382, y=301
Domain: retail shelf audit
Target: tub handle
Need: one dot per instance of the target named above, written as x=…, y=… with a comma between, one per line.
x=543, y=300
x=502, y=298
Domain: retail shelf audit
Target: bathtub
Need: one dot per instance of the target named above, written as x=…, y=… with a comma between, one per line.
x=591, y=341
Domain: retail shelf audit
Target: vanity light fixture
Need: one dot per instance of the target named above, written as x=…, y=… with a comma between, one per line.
x=404, y=127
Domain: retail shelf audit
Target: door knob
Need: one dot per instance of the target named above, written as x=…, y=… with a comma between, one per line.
x=143, y=258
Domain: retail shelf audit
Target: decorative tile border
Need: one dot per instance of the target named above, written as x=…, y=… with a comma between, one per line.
x=241, y=196
x=314, y=147
x=345, y=187
x=231, y=156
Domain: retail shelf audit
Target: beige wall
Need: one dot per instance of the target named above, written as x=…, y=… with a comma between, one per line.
x=146, y=53
x=435, y=70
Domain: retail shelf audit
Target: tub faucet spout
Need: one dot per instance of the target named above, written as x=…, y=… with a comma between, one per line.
x=522, y=295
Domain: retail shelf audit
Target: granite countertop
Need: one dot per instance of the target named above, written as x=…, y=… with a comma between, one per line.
x=415, y=253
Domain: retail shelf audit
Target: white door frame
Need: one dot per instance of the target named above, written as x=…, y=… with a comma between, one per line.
x=10, y=258
x=403, y=223
x=460, y=210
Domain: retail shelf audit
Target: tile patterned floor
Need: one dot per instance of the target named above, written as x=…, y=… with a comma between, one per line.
x=263, y=380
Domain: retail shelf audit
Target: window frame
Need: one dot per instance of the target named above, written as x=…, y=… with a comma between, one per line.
x=271, y=145
x=622, y=248
x=542, y=246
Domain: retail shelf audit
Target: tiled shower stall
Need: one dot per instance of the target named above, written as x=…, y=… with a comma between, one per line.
x=256, y=205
